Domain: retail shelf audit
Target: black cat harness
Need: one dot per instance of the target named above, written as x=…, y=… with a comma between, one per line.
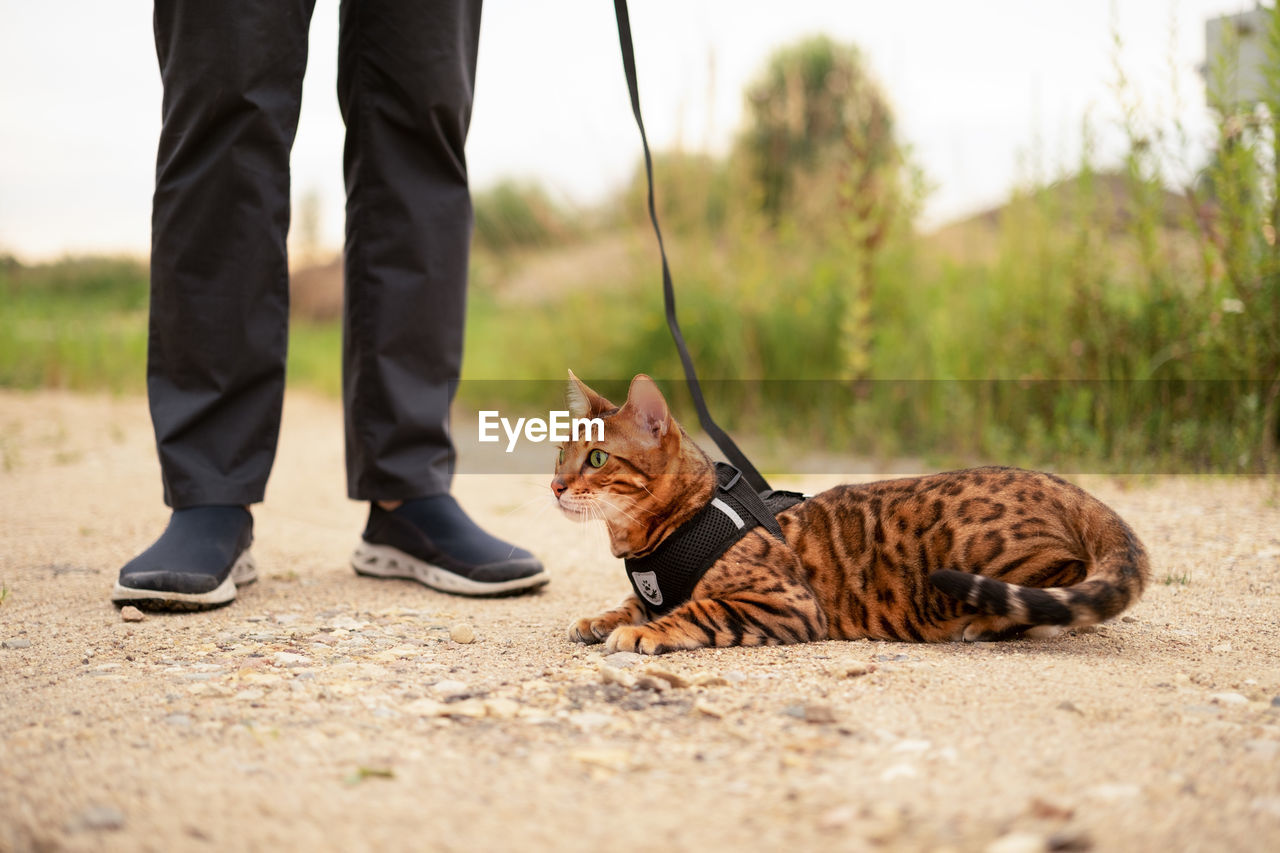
x=665, y=577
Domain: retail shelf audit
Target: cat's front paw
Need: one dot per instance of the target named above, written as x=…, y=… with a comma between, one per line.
x=589, y=630
x=636, y=638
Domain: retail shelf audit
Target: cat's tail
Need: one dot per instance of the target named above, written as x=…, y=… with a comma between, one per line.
x=1113, y=582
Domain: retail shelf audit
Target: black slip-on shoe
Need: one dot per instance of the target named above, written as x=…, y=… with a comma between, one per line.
x=196, y=564
x=432, y=541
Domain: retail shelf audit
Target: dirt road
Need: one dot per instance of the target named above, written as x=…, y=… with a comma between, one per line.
x=324, y=711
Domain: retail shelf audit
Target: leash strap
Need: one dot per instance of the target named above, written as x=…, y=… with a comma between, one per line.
x=719, y=436
x=741, y=488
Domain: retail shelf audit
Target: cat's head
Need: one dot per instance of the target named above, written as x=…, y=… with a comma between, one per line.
x=633, y=476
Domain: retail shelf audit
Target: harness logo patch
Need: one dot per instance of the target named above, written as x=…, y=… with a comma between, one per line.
x=647, y=583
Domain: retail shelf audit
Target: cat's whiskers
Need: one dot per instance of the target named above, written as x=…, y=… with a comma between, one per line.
x=596, y=513
x=635, y=502
x=617, y=508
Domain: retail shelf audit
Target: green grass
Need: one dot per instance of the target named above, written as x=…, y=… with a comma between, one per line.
x=81, y=324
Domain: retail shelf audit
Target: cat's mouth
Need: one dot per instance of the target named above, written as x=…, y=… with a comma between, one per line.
x=573, y=513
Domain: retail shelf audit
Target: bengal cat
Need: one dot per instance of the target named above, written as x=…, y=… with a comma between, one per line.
x=986, y=553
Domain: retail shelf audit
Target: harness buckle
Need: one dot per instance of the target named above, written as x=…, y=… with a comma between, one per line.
x=733, y=481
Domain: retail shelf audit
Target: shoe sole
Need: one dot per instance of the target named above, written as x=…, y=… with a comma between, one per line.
x=383, y=561
x=244, y=572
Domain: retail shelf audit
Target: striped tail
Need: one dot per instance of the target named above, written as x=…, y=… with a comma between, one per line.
x=1112, y=584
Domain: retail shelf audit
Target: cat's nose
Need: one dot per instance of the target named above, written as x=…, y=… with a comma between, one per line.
x=558, y=486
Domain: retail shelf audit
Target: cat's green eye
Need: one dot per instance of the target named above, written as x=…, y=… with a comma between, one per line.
x=596, y=458
x=560, y=461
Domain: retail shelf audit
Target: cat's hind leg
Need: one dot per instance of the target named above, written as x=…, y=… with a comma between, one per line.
x=595, y=629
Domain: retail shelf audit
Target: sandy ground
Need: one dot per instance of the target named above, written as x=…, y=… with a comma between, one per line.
x=330, y=712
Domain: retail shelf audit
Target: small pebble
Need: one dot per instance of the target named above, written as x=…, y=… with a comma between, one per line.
x=671, y=678
x=902, y=770
x=622, y=660
x=819, y=714
x=612, y=675
x=426, y=708
x=462, y=633
x=650, y=682
x=702, y=706
x=290, y=659
x=708, y=679
x=1114, y=792
x=607, y=758
x=503, y=709
x=129, y=613
x=1017, y=842
x=859, y=669
x=912, y=746
x=1069, y=841
x=472, y=708
x=836, y=818
x=449, y=687
x=1068, y=705
x=98, y=818
x=17, y=643
x=1275, y=701
x=1045, y=810
x=589, y=720
x=1228, y=699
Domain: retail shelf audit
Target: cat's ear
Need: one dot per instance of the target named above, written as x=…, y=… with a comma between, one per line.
x=583, y=402
x=648, y=407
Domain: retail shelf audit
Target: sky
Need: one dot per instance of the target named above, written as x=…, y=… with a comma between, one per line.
x=983, y=91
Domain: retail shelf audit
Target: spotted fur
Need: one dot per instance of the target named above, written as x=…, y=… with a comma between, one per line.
x=985, y=553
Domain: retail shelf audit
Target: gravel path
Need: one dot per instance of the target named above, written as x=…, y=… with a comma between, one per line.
x=327, y=711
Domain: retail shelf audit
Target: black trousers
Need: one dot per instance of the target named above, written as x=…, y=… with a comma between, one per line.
x=232, y=74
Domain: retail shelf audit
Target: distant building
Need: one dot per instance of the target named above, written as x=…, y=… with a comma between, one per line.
x=1237, y=45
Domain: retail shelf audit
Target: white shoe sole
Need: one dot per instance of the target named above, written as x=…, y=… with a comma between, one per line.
x=383, y=561
x=245, y=571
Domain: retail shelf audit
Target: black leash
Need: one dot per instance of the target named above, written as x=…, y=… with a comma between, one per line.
x=719, y=436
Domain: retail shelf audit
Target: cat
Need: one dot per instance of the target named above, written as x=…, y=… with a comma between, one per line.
x=979, y=554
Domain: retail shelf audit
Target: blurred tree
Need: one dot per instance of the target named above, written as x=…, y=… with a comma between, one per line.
x=815, y=110
x=823, y=162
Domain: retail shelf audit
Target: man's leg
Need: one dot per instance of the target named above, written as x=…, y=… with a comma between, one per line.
x=232, y=75
x=406, y=73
